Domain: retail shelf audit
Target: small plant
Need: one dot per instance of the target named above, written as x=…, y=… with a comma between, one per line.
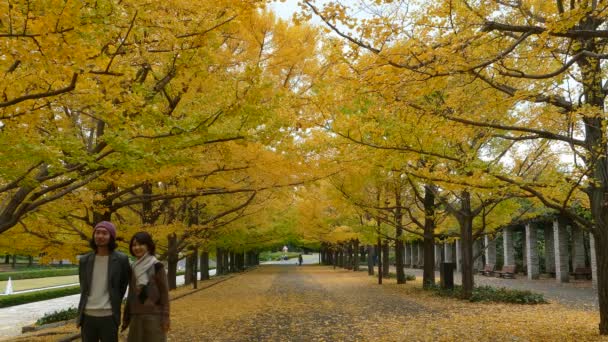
x=58, y=316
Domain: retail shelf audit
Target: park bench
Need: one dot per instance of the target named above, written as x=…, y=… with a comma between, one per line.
x=582, y=273
x=507, y=271
x=488, y=270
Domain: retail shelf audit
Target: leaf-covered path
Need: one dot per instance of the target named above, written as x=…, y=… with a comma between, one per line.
x=318, y=303
x=290, y=303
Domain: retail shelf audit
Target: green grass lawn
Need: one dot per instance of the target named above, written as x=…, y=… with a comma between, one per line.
x=28, y=284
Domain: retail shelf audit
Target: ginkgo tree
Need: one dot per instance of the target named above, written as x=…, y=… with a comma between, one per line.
x=544, y=58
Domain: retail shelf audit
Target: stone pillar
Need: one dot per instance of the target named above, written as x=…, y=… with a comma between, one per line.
x=490, y=251
x=507, y=243
x=560, y=245
x=578, y=248
x=477, y=262
x=593, y=260
x=448, y=252
x=420, y=254
x=458, y=257
x=549, y=250
x=414, y=251
x=407, y=255
x=524, y=246
x=532, y=251
x=437, y=256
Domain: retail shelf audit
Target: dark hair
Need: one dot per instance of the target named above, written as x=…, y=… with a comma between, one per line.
x=143, y=238
x=111, y=245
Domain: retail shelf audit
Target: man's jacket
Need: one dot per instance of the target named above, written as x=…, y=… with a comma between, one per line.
x=119, y=272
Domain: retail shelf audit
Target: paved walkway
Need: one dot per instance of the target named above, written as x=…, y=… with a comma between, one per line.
x=578, y=294
x=13, y=318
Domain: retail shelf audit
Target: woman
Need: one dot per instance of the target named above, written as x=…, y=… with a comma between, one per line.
x=147, y=307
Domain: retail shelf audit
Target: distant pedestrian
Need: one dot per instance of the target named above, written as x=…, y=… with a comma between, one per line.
x=147, y=307
x=300, y=259
x=103, y=275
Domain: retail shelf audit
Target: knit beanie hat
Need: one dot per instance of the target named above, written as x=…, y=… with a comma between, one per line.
x=107, y=225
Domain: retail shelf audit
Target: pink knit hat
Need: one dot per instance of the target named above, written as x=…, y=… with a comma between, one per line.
x=107, y=225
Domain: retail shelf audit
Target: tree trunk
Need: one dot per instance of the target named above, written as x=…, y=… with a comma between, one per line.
x=219, y=261
x=7, y=259
x=195, y=268
x=350, y=263
x=379, y=258
x=172, y=261
x=14, y=261
x=226, y=261
x=335, y=259
x=189, y=270
x=370, y=260
x=466, y=245
x=232, y=262
x=204, y=261
x=356, y=255
x=385, y=259
x=428, y=273
x=30, y=261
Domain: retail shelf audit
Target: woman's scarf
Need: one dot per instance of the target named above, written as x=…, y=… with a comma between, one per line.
x=140, y=269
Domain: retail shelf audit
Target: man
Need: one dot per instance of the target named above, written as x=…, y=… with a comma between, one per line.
x=104, y=277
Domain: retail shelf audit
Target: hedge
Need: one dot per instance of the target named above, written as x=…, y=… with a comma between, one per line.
x=493, y=294
x=39, y=273
x=35, y=296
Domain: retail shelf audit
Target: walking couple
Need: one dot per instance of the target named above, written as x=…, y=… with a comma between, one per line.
x=104, y=275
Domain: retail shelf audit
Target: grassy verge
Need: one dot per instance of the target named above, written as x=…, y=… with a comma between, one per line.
x=37, y=283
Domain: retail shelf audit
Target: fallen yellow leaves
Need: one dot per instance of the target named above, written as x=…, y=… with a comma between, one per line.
x=288, y=303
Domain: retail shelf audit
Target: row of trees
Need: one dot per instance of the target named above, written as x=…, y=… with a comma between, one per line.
x=461, y=116
x=173, y=118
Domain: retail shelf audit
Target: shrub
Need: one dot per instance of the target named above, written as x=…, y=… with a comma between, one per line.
x=35, y=296
x=39, y=273
x=492, y=294
x=408, y=277
x=276, y=256
x=57, y=316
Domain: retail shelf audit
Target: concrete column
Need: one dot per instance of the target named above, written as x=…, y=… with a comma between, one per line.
x=490, y=251
x=593, y=260
x=578, y=248
x=507, y=243
x=549, y=250
x=478, y=262
x=414, y=255
x=437, y=255
x=420, y=253
x=524, y=247
x=458, y=257
x=532, y=252
x=448, y=252
x=407, y=255
x=560, y=245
